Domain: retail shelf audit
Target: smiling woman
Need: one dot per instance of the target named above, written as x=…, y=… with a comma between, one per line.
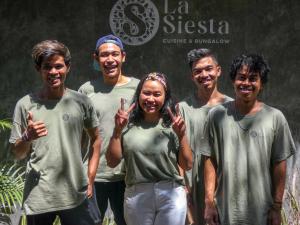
x=152, y=172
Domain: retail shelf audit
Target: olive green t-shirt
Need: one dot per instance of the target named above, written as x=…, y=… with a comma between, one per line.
x=195, y=114
x=245, y=148
x=150, y=154
x=106, y=99
x=55, y=177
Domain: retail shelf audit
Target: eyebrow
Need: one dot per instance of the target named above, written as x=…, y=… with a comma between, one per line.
x=201, y=68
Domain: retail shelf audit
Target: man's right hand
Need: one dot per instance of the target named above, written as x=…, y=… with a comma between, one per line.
x=211, y=215
x=34, y=130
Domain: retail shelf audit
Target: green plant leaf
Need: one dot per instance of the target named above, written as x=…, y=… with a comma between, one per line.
x=11, y=185
x=5, y=124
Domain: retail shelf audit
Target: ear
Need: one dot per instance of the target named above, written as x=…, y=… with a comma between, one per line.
x=192, y=77
x=95, y=57
x=123, y=56
x=219, y=70
x=38, y=68
x=68, y=68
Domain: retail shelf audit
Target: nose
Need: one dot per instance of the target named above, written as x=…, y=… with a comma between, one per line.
x=204, y=73
x=246, y=81
x=150, y=98
x=110, y=58
x=53, y=70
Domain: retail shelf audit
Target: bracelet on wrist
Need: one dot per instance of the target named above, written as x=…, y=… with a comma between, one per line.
x=25, y=136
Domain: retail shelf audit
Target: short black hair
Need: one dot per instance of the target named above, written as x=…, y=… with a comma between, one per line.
x=44, y=50
x=255, y=62
x=196, y=54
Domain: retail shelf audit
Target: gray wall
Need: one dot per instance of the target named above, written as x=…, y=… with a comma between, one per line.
x=270, y=27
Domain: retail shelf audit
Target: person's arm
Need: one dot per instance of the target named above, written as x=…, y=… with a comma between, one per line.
x=94, y=156
x=114, y=151
x=185, y=155
x=278, y=183
x=33, y=131
x=210, y=213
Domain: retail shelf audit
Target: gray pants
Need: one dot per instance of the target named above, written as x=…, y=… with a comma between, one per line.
x=161, y=203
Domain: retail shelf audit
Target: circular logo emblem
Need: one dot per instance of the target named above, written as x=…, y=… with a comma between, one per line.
x=134, y=21
x=253, y=133
x=66, y=117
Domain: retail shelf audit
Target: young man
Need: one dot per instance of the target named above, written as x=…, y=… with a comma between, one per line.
x=106, y=93
x=248, y=144
x=205, y=71
x=47, y=127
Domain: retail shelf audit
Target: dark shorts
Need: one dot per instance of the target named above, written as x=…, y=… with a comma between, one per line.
x=86, y=213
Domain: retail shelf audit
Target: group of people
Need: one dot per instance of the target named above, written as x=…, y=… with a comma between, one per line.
x=126, y=141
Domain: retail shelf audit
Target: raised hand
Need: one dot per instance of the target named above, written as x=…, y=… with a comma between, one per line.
x=122, y=116
x=34, y=130
x=178, y=124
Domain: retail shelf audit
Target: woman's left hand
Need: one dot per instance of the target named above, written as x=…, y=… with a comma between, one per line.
x=178, y=124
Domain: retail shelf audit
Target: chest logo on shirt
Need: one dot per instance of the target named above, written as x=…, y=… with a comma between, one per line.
x=253, y=133
x=66, y=117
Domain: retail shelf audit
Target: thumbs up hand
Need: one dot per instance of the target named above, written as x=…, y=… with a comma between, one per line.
x=34, y=130
x=122, y=116
x=178, y=124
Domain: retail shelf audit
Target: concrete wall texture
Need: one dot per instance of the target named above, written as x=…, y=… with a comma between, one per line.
x=157, y=35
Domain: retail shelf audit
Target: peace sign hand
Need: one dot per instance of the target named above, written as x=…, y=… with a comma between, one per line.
x=178, y=124
x=122, y=116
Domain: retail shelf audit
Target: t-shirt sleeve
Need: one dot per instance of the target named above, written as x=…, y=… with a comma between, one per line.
x=283, y=145
x=90, y=117
x=19, y=123
x=82, y=90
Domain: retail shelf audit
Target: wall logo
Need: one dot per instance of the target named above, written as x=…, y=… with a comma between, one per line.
x=134, y=21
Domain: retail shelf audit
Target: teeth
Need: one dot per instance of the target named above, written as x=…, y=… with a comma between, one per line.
x=204, y=80
x=246, y=88
x=53, y=77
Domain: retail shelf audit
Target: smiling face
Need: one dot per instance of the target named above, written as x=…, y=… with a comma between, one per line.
x=151, y=99
x=205, y=73
x=110, y=59
x=54, y=72
x=247, y=85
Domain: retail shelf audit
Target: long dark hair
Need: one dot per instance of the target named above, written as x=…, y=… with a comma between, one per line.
x=137, y=115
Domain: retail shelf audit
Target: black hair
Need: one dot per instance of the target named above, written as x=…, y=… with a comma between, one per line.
x=44, y=50
x=255, y=62
x=196, y=54
x=137, y=114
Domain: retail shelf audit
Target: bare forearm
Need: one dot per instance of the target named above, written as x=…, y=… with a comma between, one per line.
x=278, y=180
x=114, y=151
x=209, y=180
x=94, y=159
x=21, y=148
x=185, y=158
